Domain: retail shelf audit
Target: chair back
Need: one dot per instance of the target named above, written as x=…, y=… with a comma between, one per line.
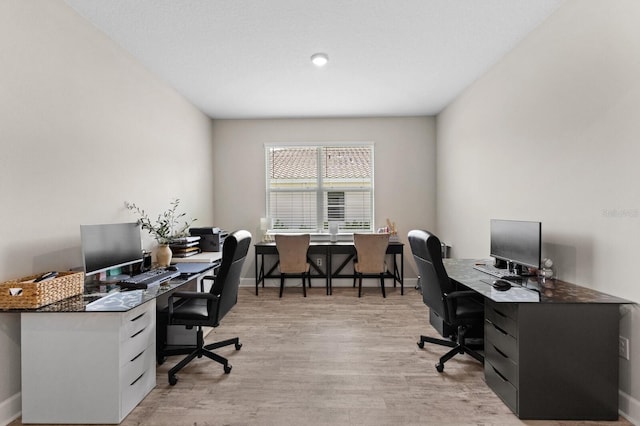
x=371, y=250
x=292, y=252
x=234, y=252
x=435, y=282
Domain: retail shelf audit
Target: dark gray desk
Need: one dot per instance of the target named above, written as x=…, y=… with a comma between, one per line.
x=551, y=348
x=328, y=250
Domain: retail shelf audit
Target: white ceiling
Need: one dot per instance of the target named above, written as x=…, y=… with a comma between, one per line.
x=251, y=58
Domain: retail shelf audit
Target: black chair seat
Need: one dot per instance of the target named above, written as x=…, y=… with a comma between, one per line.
x=192, y=309
x=469, y=309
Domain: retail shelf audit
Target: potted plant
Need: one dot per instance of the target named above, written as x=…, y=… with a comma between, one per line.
x=167, y=227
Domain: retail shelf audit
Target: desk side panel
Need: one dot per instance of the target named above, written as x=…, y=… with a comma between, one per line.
x=70, y=367
x=568, y=361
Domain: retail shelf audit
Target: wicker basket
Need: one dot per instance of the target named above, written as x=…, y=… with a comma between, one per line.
x=21, y=294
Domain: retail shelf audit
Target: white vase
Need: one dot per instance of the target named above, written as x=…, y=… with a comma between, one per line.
x=333, y=231
x=163, y=255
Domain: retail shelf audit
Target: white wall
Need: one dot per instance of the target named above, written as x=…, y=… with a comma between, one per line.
x=83, y=128
x=404, y=168
x=552, y=134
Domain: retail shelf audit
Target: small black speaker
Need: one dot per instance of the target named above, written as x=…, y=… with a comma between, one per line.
x=146, y=261
x=500, y=264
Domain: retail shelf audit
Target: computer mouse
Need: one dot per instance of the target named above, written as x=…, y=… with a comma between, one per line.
x=501, y=285
x=171, y=268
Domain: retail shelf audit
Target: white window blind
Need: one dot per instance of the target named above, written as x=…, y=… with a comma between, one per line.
x=310, y=186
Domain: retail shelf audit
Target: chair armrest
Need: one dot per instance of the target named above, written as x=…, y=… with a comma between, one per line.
x=208, y=278
x=452, y=298
x=461, y=293
x=189, y=295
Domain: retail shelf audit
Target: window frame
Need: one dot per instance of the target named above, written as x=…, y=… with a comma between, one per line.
x=321, y=190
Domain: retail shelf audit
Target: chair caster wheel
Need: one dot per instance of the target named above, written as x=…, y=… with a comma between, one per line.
x=440, y=367
x=421, y=345
x=227, y=369
x=238, y=346
x=173, y=380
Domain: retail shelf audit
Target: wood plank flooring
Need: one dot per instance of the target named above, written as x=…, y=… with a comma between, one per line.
x=327, y=360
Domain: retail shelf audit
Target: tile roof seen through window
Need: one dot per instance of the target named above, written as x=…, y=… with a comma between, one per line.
x=338, y=162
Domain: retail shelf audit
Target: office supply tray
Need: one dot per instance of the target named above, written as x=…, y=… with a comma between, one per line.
x=22, y=294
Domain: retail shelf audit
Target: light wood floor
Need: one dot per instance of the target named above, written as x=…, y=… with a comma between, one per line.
x=327, y=360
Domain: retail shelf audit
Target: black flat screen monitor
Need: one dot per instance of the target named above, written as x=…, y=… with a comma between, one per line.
x=110, y=246
x=518, y=242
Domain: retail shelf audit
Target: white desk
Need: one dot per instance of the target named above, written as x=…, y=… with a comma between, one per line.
x=86, y=367
x=93, y=362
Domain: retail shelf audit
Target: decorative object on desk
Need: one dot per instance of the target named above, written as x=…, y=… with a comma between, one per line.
x=392, y=231
x=264, y=228
x=185, y=246
x=333, y=231
x=163, y=255
x=165, y=229
x=33, y=292
x=546, y=271
x=184, y=252
x=146, y=261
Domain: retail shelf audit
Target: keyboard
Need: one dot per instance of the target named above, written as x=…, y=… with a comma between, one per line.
x=148, y=279
x=498, y=273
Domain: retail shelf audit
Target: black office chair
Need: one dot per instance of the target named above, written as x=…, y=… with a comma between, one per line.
x=198, y=309
x=460, y=310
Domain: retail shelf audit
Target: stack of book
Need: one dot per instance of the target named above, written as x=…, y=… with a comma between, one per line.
x=185, y=246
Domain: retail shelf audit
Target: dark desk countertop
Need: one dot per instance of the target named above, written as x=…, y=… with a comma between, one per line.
x=115, y=301
x=534, y=289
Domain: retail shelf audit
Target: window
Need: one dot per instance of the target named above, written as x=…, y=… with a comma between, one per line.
x=335, y=206
x=309, y=186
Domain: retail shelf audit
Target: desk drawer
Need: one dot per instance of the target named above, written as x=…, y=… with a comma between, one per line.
x=503, y=315
x=137, y=380
x=135, y=367
x=136, y=320
x=501, y=386
x=506, y=309
x=504, y=365
x=503, y=341
x=131, y=348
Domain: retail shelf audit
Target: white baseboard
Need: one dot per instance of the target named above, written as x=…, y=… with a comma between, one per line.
x=10, y=409
x=629, y=408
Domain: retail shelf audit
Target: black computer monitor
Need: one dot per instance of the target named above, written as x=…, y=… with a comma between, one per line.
x=109, y=246
x=518, y=242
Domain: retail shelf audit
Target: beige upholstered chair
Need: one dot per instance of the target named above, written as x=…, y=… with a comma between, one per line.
x=292, y=254
x=370, y=254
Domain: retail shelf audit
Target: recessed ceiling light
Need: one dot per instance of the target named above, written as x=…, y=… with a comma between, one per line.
x=319, y=59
